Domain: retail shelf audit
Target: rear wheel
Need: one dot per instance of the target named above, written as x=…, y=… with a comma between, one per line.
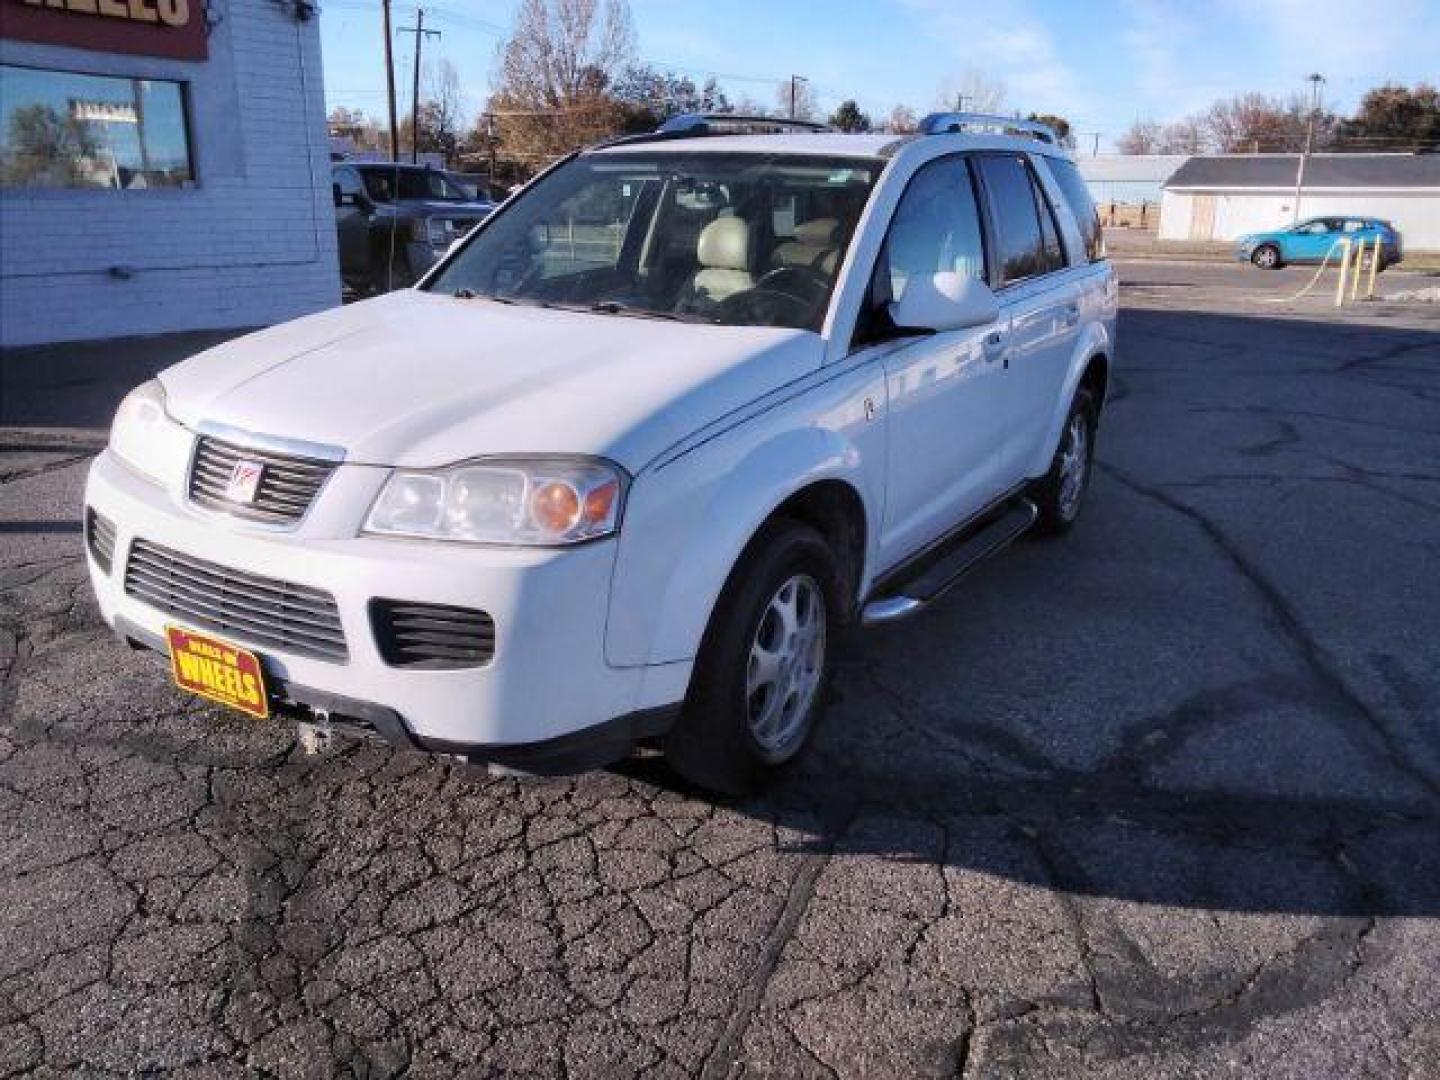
x=1266, y=257
x=760, y=679
x=1061, y=493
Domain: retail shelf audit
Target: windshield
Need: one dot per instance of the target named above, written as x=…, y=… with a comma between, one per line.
x=735, y=239
x=380, y=185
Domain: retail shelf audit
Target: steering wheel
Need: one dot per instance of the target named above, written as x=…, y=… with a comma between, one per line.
x=802, y=282
x=765, y=307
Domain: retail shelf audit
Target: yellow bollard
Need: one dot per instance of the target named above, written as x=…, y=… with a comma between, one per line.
x=1344, y=272
x=1359, y=263
x=1374, y=269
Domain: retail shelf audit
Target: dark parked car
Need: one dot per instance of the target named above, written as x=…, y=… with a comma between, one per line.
x=394, y=221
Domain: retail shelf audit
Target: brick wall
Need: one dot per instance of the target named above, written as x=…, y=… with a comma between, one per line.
x=252, y=243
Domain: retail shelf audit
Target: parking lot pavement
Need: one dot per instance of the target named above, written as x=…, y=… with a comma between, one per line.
x=1158, y=799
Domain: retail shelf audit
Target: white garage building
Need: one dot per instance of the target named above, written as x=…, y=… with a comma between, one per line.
x=1225, y=196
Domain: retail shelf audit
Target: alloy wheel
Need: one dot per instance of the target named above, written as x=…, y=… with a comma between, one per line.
x=786, y=662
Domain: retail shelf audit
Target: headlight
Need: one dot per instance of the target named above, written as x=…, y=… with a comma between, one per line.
x=533, y=501
x=144, y=437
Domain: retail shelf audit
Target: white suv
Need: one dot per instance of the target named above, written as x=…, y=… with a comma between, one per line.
x=625, y=463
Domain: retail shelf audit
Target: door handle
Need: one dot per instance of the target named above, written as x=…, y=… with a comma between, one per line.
x=1072, y=316
x=995, y=347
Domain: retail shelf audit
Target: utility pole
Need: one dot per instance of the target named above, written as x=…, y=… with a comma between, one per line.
x=390, y=86
x=794, y=80
x=420, y=35
x=1095, y=146
x=492, y=139
x=1316, y=81
x=960, y=102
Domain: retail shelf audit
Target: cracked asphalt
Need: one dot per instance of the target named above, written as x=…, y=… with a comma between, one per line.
x=1160, y=799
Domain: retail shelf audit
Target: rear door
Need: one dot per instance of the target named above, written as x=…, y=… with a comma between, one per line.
x=1039, y=302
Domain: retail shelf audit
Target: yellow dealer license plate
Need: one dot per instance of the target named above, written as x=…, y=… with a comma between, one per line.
x=217, y=670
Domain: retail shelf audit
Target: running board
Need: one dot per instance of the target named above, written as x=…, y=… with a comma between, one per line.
x=945, y=572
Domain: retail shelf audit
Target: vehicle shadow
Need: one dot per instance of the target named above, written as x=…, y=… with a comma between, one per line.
x=1165, y=706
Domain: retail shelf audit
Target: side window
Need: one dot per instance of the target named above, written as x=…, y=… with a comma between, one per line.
x=1019, y=241
x=1052, y=254
x=1077, y=194
x=935, y=228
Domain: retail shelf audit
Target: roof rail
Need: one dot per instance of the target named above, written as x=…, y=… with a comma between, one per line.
x=735, y=124
x=941, y=123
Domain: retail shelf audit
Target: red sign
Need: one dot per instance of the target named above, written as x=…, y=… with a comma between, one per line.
x=217, y=670
x=172, y=28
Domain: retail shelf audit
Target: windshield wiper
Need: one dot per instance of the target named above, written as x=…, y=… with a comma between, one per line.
x=615, y=307
x=467, y=293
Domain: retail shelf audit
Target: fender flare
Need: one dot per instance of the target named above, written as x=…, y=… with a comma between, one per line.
x=667, y=582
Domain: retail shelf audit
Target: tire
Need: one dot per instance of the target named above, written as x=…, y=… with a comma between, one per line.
x=1060, y=494
x=1266, y=257
x=738, y=729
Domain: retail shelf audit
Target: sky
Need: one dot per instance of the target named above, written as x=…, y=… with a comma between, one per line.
x=1100, y=63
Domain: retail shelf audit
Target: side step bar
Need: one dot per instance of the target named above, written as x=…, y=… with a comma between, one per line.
x=938, y=577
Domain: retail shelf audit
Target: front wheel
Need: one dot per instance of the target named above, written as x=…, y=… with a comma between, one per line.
x=764, y=664
x=1060, y=494
x=1266, y=257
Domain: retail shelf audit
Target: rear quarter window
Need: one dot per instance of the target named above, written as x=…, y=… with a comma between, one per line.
x=1077, y=194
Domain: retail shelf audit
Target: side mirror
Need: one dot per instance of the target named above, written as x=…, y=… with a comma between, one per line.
x=945, y=301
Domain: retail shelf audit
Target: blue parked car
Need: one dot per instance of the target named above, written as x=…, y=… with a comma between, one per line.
x=1310, y=241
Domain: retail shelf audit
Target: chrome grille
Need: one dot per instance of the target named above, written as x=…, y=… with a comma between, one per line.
x=288, y=484
x=247, y=607
x=431, y=636
x=100, y=539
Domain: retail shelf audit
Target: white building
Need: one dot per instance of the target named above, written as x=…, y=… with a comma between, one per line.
x=163, y=166
x=1222, y=197
x=1127, y=179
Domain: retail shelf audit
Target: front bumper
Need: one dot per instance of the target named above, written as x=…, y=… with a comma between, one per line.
x=548, y=679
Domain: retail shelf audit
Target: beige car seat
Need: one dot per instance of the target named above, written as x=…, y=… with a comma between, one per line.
x=724, y=253
x=815, y=246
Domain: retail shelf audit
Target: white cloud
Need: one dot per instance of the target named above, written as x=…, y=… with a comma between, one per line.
x=1006, y=39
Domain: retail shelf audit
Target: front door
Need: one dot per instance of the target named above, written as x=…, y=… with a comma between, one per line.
x=1312, y=241
x=945, y=391
x=1202, y=218
x=352, y=223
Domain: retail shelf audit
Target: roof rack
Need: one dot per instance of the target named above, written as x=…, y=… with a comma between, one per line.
x=735, y=124
x=941, y=123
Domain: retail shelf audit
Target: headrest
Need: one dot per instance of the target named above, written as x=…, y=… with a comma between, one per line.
x=818, y=233
x=725, y=243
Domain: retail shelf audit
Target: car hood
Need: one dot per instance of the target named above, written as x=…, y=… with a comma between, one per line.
x=423, y=379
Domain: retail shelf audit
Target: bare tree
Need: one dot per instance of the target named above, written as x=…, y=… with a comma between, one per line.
x=1142, y=137
x=441, y=111
x=554, y=73
x=796, y=98
x=972, y=90
x=563, y=51
x=902, y=120
x=1189, y=135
